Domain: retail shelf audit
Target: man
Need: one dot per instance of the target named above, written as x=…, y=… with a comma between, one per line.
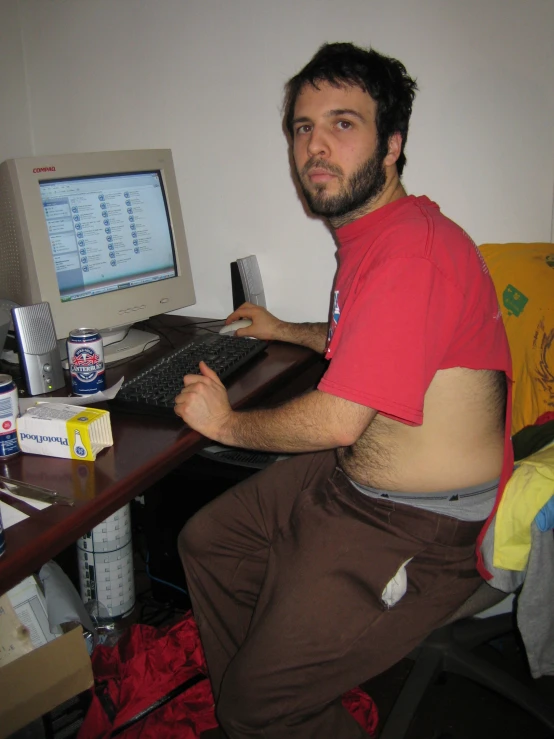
x=327, y=568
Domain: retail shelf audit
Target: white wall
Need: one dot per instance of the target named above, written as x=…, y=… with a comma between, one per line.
x=205, y=78
x=15, y=123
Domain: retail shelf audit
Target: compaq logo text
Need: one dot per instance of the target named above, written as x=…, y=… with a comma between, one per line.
x=44, y=169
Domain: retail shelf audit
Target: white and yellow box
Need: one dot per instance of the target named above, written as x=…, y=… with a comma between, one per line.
x=60, y=430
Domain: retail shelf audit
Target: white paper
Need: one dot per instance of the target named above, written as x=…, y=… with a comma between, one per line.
x=109, y=394
x=10, y=516
x=63, y=602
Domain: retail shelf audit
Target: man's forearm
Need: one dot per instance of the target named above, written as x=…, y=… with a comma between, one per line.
x=311, y=335
x=283, y=429
x=309, y=423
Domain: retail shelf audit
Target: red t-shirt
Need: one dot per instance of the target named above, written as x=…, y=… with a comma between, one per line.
x=412, y=296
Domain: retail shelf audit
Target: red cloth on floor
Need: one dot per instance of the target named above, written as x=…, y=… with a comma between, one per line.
x=363, y=709
x=145, y=665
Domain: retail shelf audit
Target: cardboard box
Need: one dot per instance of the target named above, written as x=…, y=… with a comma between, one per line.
x=37, y=682
x=61, y=430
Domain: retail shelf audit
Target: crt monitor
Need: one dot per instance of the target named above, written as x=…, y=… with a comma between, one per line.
x=100, y=236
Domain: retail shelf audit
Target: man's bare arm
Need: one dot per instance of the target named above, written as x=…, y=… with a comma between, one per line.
x=266, y=326
x=311, y=335
x=312, y=422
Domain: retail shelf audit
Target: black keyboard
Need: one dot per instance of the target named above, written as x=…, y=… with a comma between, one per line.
x=153, y=389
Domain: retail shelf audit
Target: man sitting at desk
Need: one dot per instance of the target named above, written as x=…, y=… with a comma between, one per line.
x=327, y=568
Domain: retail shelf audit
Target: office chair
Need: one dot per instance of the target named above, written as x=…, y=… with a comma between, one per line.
x=449, y=649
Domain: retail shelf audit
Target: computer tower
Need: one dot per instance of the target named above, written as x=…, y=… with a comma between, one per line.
x=165, y=508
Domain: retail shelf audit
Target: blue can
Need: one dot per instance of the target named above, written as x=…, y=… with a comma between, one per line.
x=85, y=354
x=9, y=411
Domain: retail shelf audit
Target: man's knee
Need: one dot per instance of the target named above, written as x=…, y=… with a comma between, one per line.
x=194, y=537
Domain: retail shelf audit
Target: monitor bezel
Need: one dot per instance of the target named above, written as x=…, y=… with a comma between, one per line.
x=115, y=308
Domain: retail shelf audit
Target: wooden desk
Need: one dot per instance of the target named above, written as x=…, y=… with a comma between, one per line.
x=145, y=449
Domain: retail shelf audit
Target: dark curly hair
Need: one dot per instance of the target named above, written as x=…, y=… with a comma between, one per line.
x=382, y=77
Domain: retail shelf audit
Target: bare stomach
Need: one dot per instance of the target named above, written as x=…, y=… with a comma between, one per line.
x=459, y=444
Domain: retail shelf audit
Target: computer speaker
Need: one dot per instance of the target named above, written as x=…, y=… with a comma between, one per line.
x=246, y=282
x=39, y=356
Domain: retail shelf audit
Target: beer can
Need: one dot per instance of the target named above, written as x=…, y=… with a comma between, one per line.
x=85, y=354
x=9, y=411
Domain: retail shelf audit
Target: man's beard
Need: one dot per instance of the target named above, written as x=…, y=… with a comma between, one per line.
x=359, y=189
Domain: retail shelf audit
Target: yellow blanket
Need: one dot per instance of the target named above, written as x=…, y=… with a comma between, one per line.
x=530, y=487
x=523, y=276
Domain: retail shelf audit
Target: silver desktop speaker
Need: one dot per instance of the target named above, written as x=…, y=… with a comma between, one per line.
x=39, y=356
x=246, y=282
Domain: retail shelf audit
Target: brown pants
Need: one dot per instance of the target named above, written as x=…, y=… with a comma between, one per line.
x=286, y=573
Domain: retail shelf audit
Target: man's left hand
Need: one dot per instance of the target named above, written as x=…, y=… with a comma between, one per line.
x=203, y=403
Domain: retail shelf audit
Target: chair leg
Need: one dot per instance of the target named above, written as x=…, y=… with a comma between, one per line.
x=481, y=671
x=426, y=668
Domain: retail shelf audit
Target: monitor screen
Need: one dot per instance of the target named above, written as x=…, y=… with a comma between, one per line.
x=108, y=232
x=100, y=237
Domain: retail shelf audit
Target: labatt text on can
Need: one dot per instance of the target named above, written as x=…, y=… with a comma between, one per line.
x=85, y=354
x=9, y=411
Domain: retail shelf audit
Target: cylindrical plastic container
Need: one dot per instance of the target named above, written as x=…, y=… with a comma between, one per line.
x=105, y=557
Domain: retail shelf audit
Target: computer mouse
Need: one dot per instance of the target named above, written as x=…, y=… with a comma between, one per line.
x=232, y=327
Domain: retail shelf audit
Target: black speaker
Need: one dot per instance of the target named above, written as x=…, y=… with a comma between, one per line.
x=39, y=356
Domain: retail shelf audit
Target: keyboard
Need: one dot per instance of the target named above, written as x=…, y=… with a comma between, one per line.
x=153, y=389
